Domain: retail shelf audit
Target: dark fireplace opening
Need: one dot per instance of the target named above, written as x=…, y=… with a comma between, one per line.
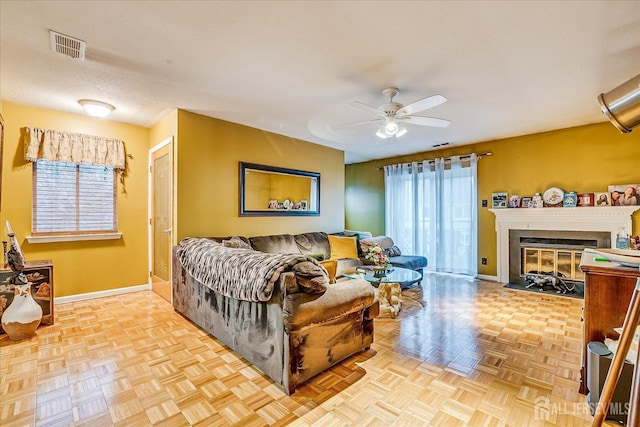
x=549, y=260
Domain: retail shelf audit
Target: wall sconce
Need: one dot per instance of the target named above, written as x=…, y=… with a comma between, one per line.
x=622, y=105
x=96, y=108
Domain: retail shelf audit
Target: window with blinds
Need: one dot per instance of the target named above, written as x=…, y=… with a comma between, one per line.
x=71, y=198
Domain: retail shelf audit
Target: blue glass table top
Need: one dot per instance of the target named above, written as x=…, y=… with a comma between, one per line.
x=393, y=275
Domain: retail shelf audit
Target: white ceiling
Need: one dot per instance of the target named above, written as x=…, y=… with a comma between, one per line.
x=291, y=67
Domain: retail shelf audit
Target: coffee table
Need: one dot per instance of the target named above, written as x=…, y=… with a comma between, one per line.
x=388, y=287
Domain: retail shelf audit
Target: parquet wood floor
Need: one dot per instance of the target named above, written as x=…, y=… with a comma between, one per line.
x=461, y=352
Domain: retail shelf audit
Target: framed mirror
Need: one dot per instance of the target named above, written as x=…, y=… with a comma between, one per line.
x=274, y=191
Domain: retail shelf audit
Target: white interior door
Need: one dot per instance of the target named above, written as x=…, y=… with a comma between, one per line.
x=161, y=220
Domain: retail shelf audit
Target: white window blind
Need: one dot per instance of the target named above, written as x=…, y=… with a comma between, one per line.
x=70, y=198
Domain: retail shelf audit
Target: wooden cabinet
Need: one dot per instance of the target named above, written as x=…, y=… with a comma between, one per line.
x=607, y=292
x=40, y=273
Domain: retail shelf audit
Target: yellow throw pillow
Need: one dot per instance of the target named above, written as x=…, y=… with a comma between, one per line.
x=343, y=247
x=331, y=265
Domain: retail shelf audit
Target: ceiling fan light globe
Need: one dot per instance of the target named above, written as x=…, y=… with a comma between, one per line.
x=401, y=131
x=391, y=128
x=382, y=133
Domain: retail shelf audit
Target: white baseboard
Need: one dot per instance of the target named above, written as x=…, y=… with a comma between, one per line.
x=488, y=278
x=100, y=294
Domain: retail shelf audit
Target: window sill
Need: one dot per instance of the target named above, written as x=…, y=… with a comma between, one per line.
x=73, y=237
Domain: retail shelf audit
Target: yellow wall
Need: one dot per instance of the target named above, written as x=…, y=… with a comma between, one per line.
x=79, y=267
x=208, y=155
x=166, y=127
x=583, y=159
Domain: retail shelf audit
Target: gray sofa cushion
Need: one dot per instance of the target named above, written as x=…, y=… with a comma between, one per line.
x=314, y=243
x=277, y=243
x=412, y=262
x=221, y=239
x=236, y=242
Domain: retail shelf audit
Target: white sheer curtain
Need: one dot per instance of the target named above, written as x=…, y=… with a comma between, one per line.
x=431, y=210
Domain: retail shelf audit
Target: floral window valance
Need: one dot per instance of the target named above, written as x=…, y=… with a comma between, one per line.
x=73, y=147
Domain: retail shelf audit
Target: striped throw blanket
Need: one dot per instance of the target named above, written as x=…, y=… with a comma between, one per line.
x=243, y=274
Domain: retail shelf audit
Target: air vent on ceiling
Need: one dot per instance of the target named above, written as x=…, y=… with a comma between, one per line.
x=67, y=46
x=441, y=145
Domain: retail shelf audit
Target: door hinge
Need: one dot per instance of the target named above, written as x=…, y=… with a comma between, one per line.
x=149, y=273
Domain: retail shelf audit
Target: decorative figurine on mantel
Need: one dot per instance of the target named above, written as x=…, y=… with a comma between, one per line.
x=21, y=319
x=537, y=201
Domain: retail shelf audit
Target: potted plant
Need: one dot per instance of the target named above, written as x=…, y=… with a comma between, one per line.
x=380, y=260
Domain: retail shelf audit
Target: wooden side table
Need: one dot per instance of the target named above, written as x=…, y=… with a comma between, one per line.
x=608, y=287
x=40, y=274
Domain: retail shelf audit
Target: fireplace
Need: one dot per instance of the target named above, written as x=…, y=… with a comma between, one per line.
x=551, y=253
x=554, y=221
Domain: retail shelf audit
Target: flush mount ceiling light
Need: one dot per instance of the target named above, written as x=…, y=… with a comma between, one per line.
x=96, y=108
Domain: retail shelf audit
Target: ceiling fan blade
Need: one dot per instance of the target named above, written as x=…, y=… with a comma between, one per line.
x=367, y=108
x=427, y=121
x=421, y=105
x=349, y=125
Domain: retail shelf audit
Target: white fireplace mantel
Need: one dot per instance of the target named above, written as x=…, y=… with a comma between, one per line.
x=611, y=219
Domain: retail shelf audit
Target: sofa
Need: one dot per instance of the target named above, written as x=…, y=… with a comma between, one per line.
x=297, y=327
x=347, y=248
x=365, y=240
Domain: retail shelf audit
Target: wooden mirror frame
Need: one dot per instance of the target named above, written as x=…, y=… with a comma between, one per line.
x=244, y=167
x=1, y=156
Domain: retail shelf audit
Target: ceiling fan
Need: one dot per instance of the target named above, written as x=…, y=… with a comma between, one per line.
x=392, y=116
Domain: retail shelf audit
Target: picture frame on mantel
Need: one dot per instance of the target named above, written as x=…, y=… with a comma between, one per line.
x=514, y=201
x=602, y=199
x=499, y=200
x=624, y=195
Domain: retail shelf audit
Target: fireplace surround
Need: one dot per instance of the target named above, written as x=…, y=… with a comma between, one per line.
x=548, y=252
x=605, y=219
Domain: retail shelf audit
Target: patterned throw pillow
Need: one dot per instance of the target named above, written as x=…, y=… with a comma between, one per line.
x=392, y=251
x=383, y=241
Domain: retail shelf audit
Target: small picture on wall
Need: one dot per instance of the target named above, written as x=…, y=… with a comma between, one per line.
x=525, y=202
x=499, y=200
x=602, y=199
x=624, y=195
x=514, y=201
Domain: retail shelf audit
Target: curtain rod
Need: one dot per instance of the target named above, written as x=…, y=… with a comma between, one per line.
x=447, y=159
